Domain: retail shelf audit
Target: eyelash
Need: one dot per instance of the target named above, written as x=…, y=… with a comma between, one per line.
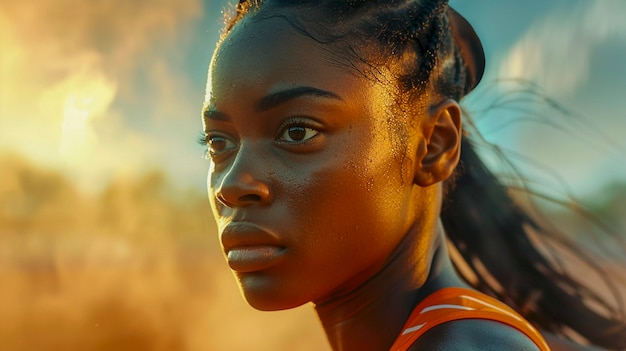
x=202, y=139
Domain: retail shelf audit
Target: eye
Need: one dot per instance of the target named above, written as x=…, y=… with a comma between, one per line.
x=218, y=144
x=297, y=133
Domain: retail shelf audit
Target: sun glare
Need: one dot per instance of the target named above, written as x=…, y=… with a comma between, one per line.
x=87, y=97
x=74, y=127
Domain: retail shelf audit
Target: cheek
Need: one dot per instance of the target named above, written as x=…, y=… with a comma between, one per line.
x=366, y=183
x=217, y=208
x=210, y=184
x=350, y=215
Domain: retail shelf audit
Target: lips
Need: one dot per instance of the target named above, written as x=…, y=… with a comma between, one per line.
x=250, y=248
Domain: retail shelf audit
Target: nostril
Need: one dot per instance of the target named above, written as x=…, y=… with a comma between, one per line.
x=250, y=198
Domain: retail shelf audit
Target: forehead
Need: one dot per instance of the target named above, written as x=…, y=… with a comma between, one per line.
x=269, y=53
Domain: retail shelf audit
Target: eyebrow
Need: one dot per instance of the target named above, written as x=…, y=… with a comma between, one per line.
x=208, y=113
x=275, y=99
x=280, y=97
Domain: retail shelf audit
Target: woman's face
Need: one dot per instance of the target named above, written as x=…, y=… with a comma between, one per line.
x=310, y=191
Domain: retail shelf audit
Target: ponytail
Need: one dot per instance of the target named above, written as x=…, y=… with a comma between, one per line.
x=494, y=237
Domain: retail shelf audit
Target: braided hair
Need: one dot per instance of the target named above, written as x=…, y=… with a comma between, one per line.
x=492, y=233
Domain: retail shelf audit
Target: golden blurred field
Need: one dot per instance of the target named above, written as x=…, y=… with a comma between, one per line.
x=135, y=267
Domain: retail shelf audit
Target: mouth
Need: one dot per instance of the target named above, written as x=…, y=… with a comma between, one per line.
x=247, y=259
x=250, y=248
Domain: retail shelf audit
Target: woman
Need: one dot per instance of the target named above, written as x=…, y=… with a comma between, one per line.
x=335, y=137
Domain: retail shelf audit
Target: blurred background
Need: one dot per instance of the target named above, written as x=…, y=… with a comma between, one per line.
x=106, y=236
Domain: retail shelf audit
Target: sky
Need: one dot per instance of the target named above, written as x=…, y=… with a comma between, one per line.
x=100, y=89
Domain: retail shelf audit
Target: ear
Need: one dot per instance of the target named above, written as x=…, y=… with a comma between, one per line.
x=439, y=150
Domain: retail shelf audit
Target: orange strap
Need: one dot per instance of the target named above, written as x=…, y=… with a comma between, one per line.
x=452, y=304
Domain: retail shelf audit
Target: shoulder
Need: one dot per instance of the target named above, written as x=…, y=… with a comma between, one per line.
x=474, y=334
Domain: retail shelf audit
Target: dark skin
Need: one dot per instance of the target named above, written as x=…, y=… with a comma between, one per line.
x=313, y=201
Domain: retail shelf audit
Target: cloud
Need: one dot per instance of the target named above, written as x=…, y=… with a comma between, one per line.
x=557, y=51
x=66, y=64
x=568, y=54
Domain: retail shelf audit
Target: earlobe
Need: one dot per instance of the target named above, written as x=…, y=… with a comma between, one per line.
x=439, y=150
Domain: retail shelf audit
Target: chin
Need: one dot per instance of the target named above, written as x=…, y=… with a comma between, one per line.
x=266, y=302
x=266, y=294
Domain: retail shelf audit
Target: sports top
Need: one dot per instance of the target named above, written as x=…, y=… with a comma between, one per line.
x=450, y=304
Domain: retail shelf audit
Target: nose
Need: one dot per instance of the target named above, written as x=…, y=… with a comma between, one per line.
x=242, y=184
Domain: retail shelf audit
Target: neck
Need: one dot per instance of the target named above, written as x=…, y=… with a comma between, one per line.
x=371, y=316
